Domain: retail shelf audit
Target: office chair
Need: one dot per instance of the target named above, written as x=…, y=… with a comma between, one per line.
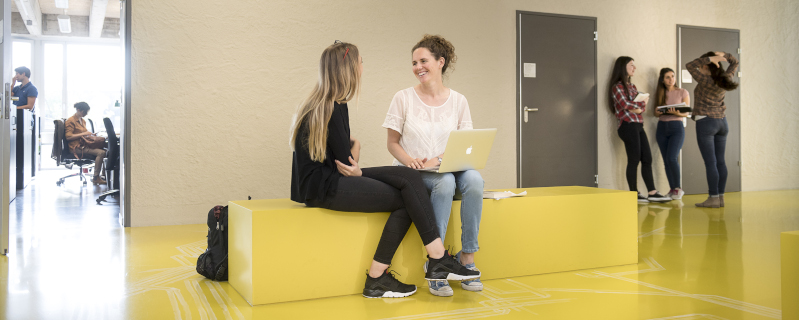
x=111, y=163
x=91, y=125
x=67, y=159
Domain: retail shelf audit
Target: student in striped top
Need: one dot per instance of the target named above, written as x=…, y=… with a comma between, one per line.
x=621, y=96
x=712, y=83
x=671, y=132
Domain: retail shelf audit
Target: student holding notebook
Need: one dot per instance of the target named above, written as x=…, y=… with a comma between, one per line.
x=621, y=96
x=671, y=132
x=419, y=121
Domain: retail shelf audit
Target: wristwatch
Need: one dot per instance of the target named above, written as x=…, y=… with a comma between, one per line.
x=439, y=160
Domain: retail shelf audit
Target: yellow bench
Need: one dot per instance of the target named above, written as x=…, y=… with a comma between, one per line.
x=789, y=247
x=282, y=251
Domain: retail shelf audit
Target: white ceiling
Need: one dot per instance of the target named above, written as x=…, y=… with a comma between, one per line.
x=76, y=8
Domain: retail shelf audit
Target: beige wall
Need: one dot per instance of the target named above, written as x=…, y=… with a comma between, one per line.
x=215, y=85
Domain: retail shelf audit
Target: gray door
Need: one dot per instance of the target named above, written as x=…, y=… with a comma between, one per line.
x=692, y=43
x=7, y=185
x=557, y=100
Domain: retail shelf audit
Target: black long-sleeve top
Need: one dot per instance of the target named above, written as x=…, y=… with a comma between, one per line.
x=311, y=180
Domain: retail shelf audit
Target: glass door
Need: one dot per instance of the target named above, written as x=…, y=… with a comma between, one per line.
x=75, y=72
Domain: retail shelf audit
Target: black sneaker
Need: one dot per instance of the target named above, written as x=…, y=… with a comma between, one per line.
x=386, y=286
x=642, y=199
x=657, y=197
x=447, y=268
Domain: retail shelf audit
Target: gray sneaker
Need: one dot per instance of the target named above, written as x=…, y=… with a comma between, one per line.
x=439, y=288
x=473, y=284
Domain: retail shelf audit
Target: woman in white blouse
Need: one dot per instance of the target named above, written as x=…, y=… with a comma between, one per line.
x=419, y=122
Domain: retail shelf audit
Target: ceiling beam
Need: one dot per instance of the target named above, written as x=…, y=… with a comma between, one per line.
x=31, y=15
x=97, y=18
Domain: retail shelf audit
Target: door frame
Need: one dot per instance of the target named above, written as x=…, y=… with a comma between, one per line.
x=5, y=128
x=680, y=66
x=519, y=73
x=125, y=142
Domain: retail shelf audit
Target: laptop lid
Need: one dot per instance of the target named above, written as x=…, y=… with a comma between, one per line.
x=466, y=149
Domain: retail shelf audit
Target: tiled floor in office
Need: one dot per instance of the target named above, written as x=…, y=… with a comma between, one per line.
x=70, y=260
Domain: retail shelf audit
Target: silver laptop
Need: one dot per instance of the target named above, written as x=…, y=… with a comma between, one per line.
x=466, y=149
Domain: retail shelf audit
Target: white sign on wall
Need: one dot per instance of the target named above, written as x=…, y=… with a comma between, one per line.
x=529, y=70
x=686, y=77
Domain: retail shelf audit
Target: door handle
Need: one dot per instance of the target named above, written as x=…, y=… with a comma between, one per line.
x=526, y=110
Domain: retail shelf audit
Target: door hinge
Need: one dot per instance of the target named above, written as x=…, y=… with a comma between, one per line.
x=739, y=163
x=596, y=179
x=739, y=74
x=596, y=36
x=739, y=50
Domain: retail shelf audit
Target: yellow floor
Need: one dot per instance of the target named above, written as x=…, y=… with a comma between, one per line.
x=71, y=262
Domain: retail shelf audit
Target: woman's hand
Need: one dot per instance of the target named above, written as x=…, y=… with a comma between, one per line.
x=719, y=57
x=417, y=163
x=636, y=111
x=349, y=171
x=432, y=163
x=673, y=111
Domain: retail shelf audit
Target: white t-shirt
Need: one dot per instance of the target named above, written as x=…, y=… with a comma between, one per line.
x=425, y=129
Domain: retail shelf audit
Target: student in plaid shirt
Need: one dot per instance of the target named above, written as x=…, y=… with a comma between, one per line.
x=712, y=83
x=621, y=96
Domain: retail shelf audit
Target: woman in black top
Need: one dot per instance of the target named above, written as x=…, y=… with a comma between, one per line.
x=325, y=173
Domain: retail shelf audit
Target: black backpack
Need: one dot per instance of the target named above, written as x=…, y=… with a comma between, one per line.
x=213, y=262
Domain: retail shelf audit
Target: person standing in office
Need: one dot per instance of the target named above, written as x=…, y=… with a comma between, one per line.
x=712, y=83
x=26, y=91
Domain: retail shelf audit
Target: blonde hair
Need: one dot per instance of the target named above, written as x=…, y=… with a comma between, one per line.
x=339, y=81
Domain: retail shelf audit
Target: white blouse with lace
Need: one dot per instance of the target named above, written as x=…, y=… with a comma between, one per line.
x=425, y=129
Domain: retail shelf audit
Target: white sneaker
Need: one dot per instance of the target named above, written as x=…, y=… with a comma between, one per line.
x=473, y=284
x=678, y=195
x=439, y=288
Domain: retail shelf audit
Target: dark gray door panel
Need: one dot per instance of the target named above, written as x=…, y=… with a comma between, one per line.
x=558, y=141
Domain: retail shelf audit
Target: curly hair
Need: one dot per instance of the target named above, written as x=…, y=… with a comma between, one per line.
x=439, y=47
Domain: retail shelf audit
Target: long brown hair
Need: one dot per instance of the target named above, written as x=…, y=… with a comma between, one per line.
x=339, y=81
x=719, y=76
x=660, y=94
x=619, y=74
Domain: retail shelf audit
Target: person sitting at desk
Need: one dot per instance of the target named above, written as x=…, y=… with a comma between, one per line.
x=26, y=91
x=75, y=130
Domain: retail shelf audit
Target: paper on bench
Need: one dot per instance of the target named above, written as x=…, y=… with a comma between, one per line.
x=496, y=195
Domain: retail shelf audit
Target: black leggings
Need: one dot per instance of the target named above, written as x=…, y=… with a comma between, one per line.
x=637, y=146
x=396, y=189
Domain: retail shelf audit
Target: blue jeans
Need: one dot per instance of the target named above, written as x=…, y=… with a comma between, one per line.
x=465, y=185
x=711, y=136
x=670, y=136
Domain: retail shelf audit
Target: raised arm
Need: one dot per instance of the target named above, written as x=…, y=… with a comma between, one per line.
x=693, y=68
x=733, y=64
